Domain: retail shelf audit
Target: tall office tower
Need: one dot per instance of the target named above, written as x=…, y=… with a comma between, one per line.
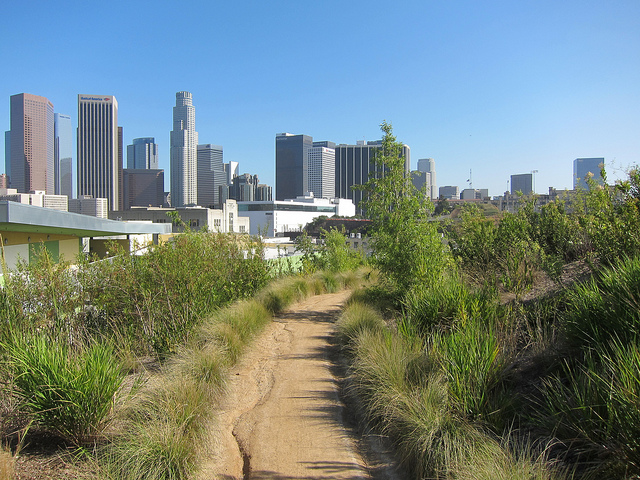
x=428, y=165
x=184, y=152
x=98, y=149
x=355, y=165
x=62, y=155
x=142, y=187
x=291, y=165
x=422, y=180
x=7, y=152
x=583, y=167
x=231, y=170
x=143, y=154
x=31, y=137
x=120, y=160
x=211, y=175
x=263, y=193
x=244, y=188
x=522, y=183
x=321, y=169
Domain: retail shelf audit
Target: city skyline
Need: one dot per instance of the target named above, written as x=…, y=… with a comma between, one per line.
x=500, y=88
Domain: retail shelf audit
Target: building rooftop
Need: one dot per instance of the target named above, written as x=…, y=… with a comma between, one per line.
x=18, y=217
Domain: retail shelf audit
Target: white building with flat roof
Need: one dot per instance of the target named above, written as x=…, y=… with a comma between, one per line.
x=273, y=219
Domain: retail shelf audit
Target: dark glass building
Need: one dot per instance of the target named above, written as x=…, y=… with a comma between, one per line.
x=354, y=166
x=291, y=162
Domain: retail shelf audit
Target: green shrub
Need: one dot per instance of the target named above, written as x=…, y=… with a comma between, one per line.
x=68, y=392
x=474, y=357
x=594, y=405
x=355, y=319
x=606, y=307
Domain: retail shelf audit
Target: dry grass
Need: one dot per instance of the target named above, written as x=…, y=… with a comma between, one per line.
x=7, y=464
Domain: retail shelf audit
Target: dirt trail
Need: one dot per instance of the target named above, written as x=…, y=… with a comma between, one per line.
x=283, y=417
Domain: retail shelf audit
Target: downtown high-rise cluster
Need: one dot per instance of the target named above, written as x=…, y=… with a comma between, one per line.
x=39, y=150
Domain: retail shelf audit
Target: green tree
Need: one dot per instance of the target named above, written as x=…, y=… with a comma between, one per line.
x=407, y=247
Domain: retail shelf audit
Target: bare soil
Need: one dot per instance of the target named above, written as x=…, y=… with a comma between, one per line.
x=284, y=417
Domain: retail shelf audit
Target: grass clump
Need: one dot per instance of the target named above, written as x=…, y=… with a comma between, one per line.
x=7, y=464
x=67, y=391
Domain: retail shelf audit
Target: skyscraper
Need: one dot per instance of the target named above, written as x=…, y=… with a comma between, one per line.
x=143, y=154
x=211, y=174
x=291, y=165
x=142, y=187
x=522, y=183
x=31, y=149
x=428, y=165
x=582, y=167
x=321, y=170
x=354, y=166
x=99, y=149
x=184, y=152
x=62, y=155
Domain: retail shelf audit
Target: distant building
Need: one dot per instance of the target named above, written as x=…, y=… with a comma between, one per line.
x=99, y=149
x=37, y=198
x=231, y=170
x=263, y=193
x=449, y=192
x=63, y=155
x=474, y=194
x=224, y=220
x=428, y=165
x=292, y=153
x=31, y=149
x=584, y=167
x=211, y=175
x=281, y=216
x=184, y=152
x=7, y=153
x=4, y=180
x=321, y=160
x=522, y=183
x=87, y=205
x=244, y=188
x=355, y=165
x=142, y=154
x=143, y=188
x=422, y=180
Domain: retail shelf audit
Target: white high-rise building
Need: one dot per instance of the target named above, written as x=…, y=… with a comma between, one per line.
x=321, y=167
x=184, y=152
x=98, y=148
x=428, y=165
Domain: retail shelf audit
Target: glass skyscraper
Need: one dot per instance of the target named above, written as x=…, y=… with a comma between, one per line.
x=31, y=149
x=292, y=165
x=143, y=154
x=211, y=174
x=585, y=166
x=184, y=152
x=99, y=150
x=62, y=155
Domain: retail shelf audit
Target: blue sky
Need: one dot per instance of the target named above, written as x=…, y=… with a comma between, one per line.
x=496, y=87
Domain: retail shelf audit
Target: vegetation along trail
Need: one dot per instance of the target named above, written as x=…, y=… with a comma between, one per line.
x=283, y=417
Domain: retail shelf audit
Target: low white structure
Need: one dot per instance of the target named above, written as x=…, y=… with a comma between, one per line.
x=273, y=219
x=224, y=220
x=36, y=198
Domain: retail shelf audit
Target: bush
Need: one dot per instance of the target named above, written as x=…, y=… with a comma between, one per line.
x=607, y=307
x=68, y=392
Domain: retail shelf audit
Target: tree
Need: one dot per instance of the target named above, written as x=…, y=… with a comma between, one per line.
x=407, y=247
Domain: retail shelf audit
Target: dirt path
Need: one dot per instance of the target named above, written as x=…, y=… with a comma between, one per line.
x=283, y=417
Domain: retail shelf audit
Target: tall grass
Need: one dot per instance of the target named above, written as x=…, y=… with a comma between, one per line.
x=67, y=391
x=607, y=307
x=7, y=464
